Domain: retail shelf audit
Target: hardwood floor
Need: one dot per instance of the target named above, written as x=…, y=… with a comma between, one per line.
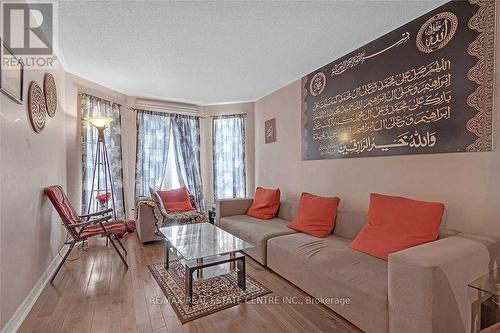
x=97, y=294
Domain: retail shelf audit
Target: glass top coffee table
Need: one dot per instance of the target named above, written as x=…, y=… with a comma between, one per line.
x=203, y=245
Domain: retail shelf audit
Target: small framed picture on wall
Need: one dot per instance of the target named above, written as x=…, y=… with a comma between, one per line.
x=270, y=130
x=11, y=74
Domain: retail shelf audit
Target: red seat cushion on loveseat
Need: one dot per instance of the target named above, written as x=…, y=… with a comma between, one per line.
x=176, y=200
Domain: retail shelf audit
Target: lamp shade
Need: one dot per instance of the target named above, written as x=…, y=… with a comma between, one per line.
x=100, y=122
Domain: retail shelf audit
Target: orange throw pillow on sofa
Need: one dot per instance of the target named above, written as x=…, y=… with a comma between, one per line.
x=397, y=223
x=176, y=200
x=265, y=204
x=315, y=215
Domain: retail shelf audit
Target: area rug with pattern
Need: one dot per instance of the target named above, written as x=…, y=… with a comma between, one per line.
x=209, y=295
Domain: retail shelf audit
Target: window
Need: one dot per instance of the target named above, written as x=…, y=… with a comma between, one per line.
x=156, y=165
x=228, y=139
x=93, y=106
x=168, y=154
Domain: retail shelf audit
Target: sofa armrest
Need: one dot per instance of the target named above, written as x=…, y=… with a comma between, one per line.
x=232, y=207
x=147, y=217
x=428, y=289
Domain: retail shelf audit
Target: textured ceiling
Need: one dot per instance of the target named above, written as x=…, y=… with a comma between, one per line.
x=217, y=52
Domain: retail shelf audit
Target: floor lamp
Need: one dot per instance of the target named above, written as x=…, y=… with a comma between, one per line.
x=101, y=166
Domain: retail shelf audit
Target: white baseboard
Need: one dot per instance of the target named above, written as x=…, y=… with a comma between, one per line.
x=22, y=311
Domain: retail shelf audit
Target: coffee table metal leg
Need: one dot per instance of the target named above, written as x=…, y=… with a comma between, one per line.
x=167, y=259
x=231, y=263
x=188, y=285
x=241, y=273
x=199, y=271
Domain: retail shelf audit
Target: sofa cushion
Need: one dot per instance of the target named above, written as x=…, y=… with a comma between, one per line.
x=256, y=232
x=288, y=209
x=327, y=268
x=265, y=204
x=397, y=223
x=349, y=223
x=316, y=215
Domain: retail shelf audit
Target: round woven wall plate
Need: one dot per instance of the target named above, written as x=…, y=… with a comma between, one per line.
x=50, y=90
x=37, y=109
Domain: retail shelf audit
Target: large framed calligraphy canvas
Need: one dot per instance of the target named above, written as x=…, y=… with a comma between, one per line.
x=426, y=87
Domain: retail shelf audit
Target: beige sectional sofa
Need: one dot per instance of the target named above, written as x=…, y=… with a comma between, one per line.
x=421, y=289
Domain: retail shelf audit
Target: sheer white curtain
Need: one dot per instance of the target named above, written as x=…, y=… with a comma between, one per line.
x=187, y=147
x=228, y=139
x=156, y=164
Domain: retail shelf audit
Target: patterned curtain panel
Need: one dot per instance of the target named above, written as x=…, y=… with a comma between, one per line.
x=187, y=149
x=153, y=141
x=228, y=144
x=93, y=106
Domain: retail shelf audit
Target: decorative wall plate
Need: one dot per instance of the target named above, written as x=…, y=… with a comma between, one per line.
x=50, y=90
x=37, y=108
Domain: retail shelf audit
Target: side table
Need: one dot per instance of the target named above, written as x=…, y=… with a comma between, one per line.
x=489, y=308
x=211, y=213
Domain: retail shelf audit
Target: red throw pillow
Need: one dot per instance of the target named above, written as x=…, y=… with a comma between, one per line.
x=397, y=223
x=176, y=200
x=315, y=215
x=265, y=204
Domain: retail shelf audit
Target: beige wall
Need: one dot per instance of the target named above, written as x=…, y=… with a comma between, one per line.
x=31, y=234
x=206, y=150
x=468, y=183
x=30, y=230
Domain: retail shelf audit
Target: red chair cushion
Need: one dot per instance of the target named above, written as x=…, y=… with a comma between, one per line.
x=117, y=227
x=63, y=207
